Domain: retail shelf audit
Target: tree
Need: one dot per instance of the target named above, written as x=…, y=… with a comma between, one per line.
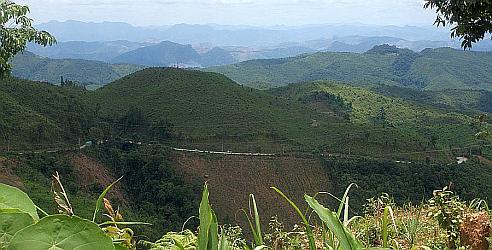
x=472, y=19
x=16, y=31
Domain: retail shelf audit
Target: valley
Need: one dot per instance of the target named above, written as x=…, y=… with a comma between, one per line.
x=208, y=136
x=160, y=119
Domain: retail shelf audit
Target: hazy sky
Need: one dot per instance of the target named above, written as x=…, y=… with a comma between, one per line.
x=252, y=12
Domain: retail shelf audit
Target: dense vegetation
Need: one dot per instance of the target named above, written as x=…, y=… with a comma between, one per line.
x=352, y=127
x=431, y=69
x=41, y=113
x=85, y=72
x=442, y=222
x=430, y=125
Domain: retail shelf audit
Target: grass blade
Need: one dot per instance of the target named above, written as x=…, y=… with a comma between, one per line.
x=259, y=236
x=309, y=232
x=384, y=227
x=99, y=202
x=342, y=202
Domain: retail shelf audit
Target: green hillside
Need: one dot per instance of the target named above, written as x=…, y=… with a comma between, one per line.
x=207, y=109
x=208, y=106
x=439, y=127
x=434, y=69
x=29, y=66
x=40, y=113
x=468, y=101
x=332, y=134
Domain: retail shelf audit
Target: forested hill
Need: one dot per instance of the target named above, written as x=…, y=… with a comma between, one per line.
x=30, y=66
x=374, y=137
x=431, y=69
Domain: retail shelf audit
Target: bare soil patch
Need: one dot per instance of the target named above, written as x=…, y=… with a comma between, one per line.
x=7, y=174
x=232, y=178
x=90, y=172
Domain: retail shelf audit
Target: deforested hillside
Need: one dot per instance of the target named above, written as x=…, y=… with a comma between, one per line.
x=431, y=69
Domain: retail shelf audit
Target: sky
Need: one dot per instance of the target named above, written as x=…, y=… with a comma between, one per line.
x=233, y=12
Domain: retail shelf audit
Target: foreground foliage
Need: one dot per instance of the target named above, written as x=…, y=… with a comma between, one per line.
x=444, y=222
x=16, y=31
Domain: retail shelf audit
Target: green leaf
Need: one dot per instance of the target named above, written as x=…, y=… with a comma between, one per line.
x=344, y=198
x=99, y=202
x=345, y=237
x=213, y=235
x=259, y=237
x=206, y=217
x=118, y=246
x=385, y=226
x=11, y=223
x=255, y=229
x=12, y=197
x=61, y=232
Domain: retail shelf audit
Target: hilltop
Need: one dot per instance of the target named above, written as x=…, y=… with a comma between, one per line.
x=168, y=53
x=204, y=105
x=431, y=69
x=30, y=66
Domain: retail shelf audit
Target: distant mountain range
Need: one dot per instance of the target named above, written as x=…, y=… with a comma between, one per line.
x=230, y=35
x=431, y=69
x=169, y=53
x=99, y=51
x=205, y=54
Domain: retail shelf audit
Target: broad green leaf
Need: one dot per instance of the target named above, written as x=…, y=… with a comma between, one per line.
x=60, y=232
x=12, y=197
x=345, y=237
x=11, y=223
